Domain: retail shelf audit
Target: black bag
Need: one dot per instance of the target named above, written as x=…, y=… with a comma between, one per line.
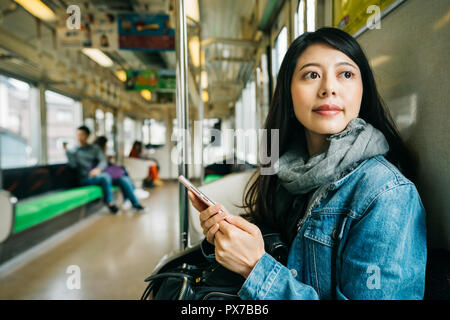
x=190, y=276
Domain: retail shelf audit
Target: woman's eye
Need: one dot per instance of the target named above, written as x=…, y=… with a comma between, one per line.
x=347, y=74
x=313, y=74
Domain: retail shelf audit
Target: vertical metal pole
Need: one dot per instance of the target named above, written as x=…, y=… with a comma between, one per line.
x=182, y=115
x=200, y=107
x=43, y=112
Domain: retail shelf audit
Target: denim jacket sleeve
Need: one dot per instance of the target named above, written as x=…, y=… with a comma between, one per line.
x=270, y=280
x=208, y=250
x=385, y=254
x=382, y=257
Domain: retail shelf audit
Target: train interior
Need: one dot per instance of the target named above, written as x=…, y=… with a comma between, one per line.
x=116, y=67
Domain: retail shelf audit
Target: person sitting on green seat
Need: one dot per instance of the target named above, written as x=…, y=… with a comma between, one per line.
x=90, y=163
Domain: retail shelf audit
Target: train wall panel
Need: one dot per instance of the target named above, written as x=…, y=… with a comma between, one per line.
x=410, y=57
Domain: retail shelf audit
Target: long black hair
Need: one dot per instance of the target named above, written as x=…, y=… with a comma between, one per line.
x=259, y=195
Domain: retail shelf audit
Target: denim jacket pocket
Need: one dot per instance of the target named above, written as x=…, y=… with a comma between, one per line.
x=323, y=228
x=321, y=236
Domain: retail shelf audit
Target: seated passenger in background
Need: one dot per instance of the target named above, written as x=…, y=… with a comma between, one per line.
x=101, y=142
x=117, y=172
x=90, y=163
x=152, y=178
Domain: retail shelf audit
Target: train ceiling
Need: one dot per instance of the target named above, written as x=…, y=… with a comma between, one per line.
x=228, y=55
x=229, y=52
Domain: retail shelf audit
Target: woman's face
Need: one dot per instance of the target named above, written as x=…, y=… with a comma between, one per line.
x=326, y=76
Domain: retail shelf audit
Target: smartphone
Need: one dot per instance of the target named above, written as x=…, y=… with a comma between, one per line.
x=197, y=192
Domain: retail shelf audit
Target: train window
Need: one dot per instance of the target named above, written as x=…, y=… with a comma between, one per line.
x=100, y=121
x=264, y=87
x=247, y=140
x=109, y=133
x=63, y=117
x=157, y=132
x=19, y=117
x=154, y=132
x=299, y=19
x=281, y=45
x=90, y=123
x=146, y=132
x=129, y=129
x=310, y=15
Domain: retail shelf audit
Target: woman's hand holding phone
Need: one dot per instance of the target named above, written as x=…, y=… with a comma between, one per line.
x=238, y=243
x=210, y=217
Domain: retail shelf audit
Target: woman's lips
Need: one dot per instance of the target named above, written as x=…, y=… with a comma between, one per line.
x=328, y=113
x=328, y=110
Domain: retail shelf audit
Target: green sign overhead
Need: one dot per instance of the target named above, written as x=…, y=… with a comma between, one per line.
x=161, y=80
x=166, y=80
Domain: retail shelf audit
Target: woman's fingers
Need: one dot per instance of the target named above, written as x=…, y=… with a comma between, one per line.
x=209, y=220
x=243, y=224
x=196, y=202
x=209, y=216
x=211, y=233
x=216, y=218
x=209, y=212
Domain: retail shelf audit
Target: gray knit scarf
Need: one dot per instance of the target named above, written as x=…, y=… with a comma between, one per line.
x=298, y=173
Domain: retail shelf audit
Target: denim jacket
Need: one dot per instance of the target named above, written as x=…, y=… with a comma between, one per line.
x=362, y=237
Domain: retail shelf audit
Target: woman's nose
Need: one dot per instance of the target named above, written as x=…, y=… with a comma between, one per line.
x=326, y=91
x=327, y=88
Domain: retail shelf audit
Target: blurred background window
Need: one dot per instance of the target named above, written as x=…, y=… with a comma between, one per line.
x=281, y=45
x=19, y=117
x=109, y=133
x=129, y=128
x=63, y=118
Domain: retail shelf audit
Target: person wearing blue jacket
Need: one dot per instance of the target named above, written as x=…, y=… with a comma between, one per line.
x=341, y=193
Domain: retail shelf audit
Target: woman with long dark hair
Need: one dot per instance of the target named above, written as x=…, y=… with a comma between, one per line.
x=342, y=194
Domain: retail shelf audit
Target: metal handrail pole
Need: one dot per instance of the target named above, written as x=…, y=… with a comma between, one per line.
x=201, y=109
x=182, y=105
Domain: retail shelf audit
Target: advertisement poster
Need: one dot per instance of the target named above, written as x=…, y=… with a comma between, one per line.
x=166, y=80
x=145, y=32
x=154, y=80
x=351, y=16
x=76, y=36
x=108, y=31
x=95, y=30
x=104, y=34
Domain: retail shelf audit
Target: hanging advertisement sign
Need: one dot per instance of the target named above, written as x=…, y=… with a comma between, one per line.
x=145, y=32
x=153, y=80
x=94, y=30
x=166, y=80
x=104, y=33
x=71, y=35
x=138, y=80
x=354, y=17
x=108, y=31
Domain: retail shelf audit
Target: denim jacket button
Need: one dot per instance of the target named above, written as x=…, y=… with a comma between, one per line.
x=293, y=272
x=334, y=234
